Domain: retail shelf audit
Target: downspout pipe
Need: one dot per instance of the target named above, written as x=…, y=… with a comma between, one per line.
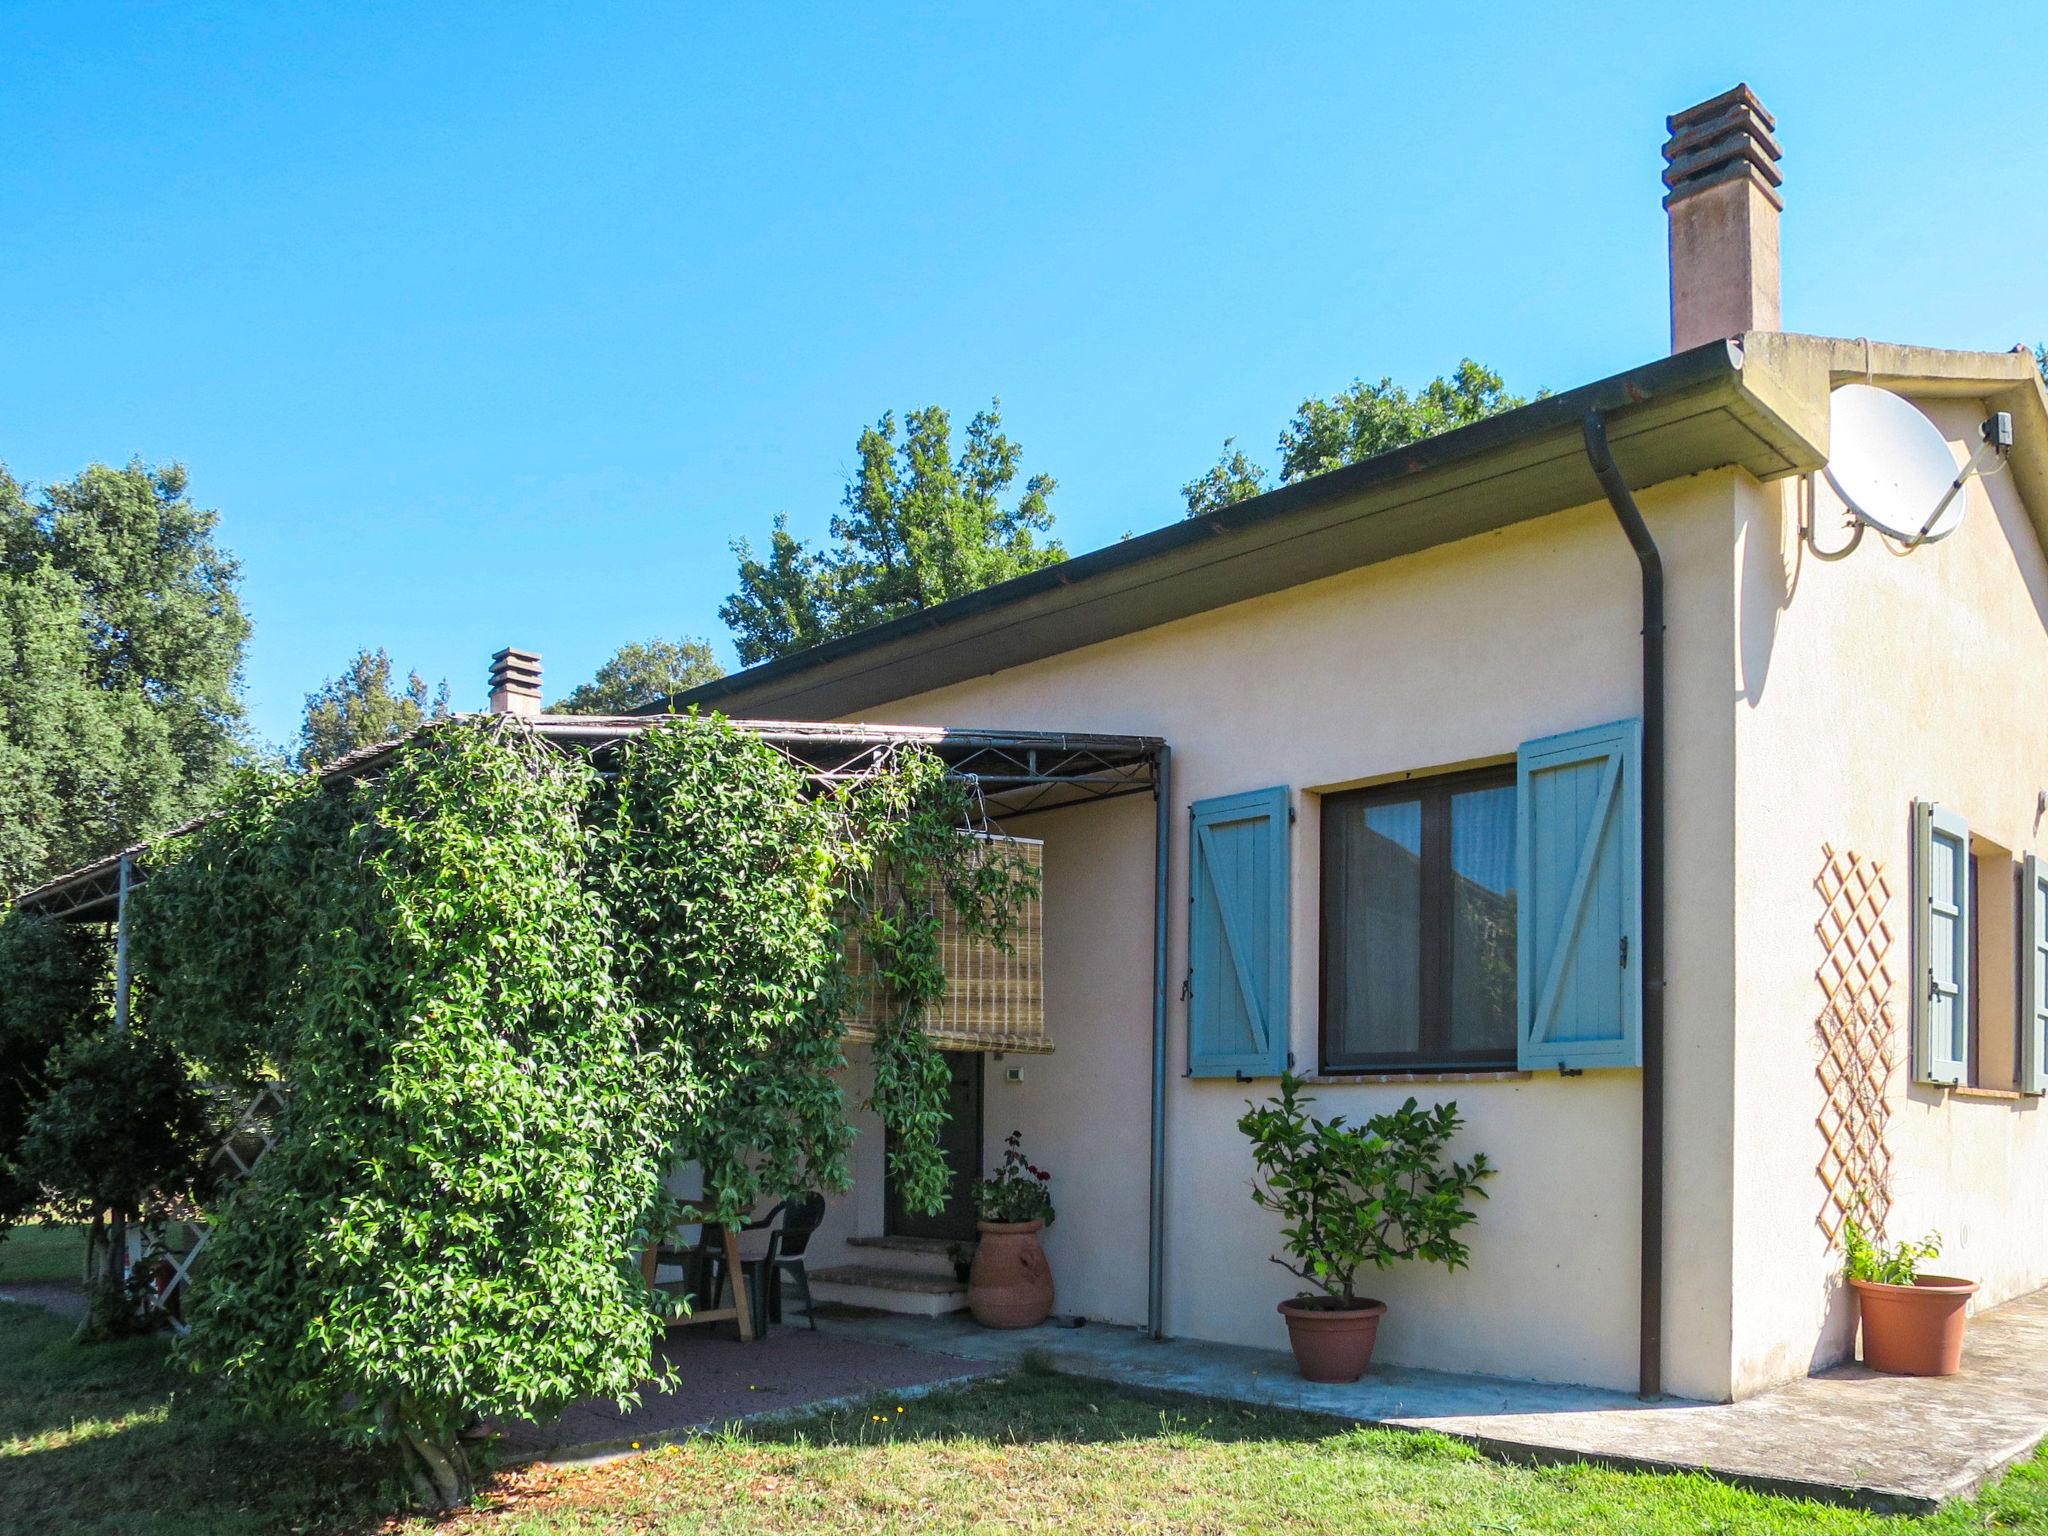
x=1650, y=1345
x=1162, y=842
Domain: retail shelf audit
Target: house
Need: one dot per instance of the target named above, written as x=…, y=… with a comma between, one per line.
x=1716, y=908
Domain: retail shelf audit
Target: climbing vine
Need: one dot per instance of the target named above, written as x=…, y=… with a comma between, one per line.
x=467, y=1160
x=231, y=911
x=719, y=872
x=509, y=992
x=918, y=865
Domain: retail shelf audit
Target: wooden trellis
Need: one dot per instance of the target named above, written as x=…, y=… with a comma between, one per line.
x=240, y=1150
x=1857, y=1039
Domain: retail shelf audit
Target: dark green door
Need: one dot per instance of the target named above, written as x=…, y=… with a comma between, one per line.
x=960, y=1144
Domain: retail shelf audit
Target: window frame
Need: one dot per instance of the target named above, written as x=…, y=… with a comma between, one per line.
x=1986, y=859
x=1434, y=792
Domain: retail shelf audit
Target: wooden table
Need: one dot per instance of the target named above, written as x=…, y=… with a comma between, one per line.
x=739, y=1312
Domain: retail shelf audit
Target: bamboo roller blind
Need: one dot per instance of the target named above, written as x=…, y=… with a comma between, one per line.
x=994, y=998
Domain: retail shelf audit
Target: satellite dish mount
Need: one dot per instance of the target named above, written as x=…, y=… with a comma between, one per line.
x=1893, y=470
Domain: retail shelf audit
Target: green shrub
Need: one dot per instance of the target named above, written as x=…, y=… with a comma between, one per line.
x=1867, y=1258
x=507, y=994
x=469, y=1157
x=1378, y=1193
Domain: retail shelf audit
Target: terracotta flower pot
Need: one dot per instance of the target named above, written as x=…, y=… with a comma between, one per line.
x=1917, y=1329
x=1332, y=1342
x=1010, y=1285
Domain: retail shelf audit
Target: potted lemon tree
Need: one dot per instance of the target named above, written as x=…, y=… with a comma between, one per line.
x=1352, y=1196
x=1912, y=1322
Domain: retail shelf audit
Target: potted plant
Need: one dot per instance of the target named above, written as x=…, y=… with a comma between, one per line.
x=1351, y=1196
x=961, y=1257
x=1010, y=1285
x=1912, y=1323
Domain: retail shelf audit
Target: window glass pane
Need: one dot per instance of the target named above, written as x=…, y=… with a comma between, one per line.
x=1376, y=931
x=1483, y=920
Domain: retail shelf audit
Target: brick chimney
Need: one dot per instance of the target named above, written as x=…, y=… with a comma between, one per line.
x=1724, y=204
x=515, y=682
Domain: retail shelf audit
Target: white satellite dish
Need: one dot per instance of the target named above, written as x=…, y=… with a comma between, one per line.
x=1892, y=466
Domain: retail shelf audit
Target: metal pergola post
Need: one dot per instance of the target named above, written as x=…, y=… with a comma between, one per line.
x=121, y=982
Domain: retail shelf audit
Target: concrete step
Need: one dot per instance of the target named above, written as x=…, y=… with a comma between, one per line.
x=885, y=1289
x=916, y=1255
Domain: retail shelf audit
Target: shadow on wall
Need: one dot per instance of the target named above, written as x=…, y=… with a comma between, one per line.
x=1836, y=1344
x=1771, y=556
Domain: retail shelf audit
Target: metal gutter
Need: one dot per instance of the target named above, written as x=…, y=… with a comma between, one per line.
x=1650, y=1278
x=1692, y=407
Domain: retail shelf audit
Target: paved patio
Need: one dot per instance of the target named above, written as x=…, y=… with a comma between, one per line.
x=1848, y=1436
x=720, y=1380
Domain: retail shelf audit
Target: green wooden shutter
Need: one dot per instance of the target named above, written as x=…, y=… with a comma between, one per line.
x=1578, y=829
x=2034, y=977
x=1237, y=935
x=1941, y=944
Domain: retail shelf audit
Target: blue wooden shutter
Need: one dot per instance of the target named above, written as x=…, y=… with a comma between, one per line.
x=2034, y=978
x=1578, y=974
x=1237, y=935
x=1941, y=944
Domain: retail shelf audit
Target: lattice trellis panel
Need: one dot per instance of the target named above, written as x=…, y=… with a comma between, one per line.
x=1857, y=1039
x=254, y=1134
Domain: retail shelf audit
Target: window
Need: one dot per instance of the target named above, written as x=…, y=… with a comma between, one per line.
x=1994, y=967
x=1419, y=925
x=1977, y=1009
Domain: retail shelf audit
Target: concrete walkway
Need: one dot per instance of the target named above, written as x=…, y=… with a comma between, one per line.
x=1848, y=1436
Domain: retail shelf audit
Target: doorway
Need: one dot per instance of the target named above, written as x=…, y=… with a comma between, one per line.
x=960, y=1146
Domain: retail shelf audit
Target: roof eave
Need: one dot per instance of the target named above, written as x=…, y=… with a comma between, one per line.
x=1704, y=408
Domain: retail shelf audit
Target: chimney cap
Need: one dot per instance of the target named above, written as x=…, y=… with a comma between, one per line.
x=515, y=682
x=1724, y=138
x=1739, y=96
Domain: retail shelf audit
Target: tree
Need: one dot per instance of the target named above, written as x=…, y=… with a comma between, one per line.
x=1356, y=424
x=53, y=987
x=918, y=527
x=641, y=674
x=360, y=708
x=509, y=993
x=120, y=709
x=1231, y=479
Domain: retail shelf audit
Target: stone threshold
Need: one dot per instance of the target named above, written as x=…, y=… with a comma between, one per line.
x=937, y=1247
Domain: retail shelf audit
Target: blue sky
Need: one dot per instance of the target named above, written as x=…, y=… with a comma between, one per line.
x=488, y=325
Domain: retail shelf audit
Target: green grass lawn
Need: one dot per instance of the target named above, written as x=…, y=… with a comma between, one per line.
x=38, y=1253
x=1058, y=1454
x=109, y=1438
x=99, y=1439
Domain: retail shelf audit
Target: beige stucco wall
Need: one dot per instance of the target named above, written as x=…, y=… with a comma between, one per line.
x=1084, y=1108
x=1862, y=686
x=1448, y=657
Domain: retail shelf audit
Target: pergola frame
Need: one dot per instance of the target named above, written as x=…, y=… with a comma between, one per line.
x=1013, y=773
